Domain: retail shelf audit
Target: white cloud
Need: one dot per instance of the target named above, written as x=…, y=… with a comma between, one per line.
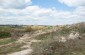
x=73, y=2
x=39, y=15
x=19, y=4
x=19, y=12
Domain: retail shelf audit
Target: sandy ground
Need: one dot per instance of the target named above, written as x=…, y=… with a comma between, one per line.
x=23, y=52
x=29, y=40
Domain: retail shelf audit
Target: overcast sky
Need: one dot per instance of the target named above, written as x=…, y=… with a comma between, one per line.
x=42, y=12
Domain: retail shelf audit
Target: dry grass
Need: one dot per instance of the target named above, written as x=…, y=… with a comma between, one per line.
x=14, y=47
x=6, y=41
x=51, y=47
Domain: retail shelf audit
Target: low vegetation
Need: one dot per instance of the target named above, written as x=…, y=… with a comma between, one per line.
x=49, y=44
x=6, y=41
x=5, y=34
x=51, y=47
x=14, y=47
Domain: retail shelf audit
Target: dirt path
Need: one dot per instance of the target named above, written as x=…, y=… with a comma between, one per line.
x=23, y=52
x=28, y=40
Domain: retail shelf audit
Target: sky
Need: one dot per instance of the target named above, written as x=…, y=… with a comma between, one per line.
x=42, y=12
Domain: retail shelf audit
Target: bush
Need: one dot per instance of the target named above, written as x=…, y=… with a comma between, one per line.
x=28, y=29
x=79, y=28
x=65, y=30
x=5, y=34
x=51, y=48
x=38, y=28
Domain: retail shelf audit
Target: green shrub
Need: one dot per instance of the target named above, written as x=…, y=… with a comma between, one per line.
x=28, y=29
x=65, y=30
x=5, y=34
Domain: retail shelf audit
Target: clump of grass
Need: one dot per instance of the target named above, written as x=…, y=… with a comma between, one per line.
x=14, y=47
x=80, y=27
x=28, y=29
x=3, y=29
x=44, y=36
x=6, y=41
x=64, y=30
x=50, y=48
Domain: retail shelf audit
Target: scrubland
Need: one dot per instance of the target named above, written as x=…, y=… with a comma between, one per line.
x=43, y=40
